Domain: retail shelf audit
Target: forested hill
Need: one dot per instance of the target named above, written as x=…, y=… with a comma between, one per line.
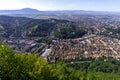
x=17, y=26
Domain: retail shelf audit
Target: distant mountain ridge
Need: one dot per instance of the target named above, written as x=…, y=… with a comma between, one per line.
x=20, y=11
x=36, y=14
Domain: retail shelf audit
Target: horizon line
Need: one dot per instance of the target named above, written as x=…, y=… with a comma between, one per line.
x=63, y=10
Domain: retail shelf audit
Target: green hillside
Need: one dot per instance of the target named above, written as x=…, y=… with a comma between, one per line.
x=17, y=26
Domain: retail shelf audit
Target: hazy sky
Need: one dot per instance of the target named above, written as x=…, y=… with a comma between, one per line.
x=96, y=5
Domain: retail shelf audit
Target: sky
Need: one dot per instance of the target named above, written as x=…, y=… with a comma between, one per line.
x=44, y=5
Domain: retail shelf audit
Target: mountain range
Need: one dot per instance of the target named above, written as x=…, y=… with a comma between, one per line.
x=20, y=11
x=35, y=11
